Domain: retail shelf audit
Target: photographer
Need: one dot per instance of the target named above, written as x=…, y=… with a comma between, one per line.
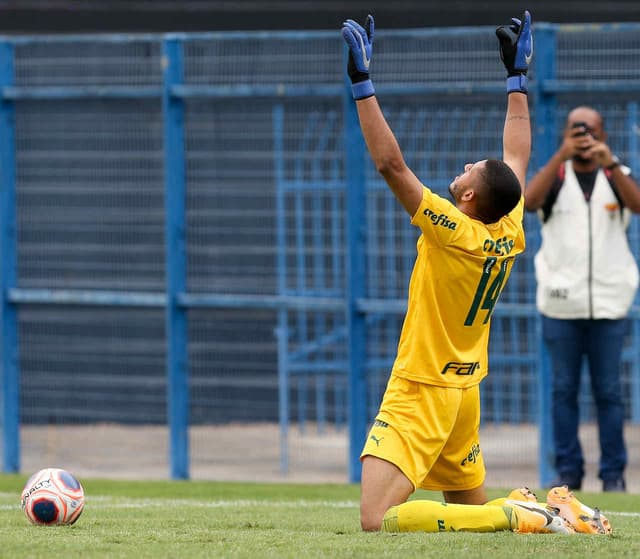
x=587, y=279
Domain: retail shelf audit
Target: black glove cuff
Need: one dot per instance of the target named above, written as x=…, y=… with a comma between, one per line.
x=357, y=77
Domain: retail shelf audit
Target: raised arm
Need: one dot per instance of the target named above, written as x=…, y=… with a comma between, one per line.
x=381, y=142
x=516, y=51
x=516, y=138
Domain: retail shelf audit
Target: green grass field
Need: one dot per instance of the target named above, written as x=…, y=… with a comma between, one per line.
x=228, y=520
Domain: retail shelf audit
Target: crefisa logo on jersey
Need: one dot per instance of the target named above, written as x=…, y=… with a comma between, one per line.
x=472, y=457
x=440, y=219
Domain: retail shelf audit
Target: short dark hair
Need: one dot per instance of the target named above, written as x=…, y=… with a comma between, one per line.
x=500, y=192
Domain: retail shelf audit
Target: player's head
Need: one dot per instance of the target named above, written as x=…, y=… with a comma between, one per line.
x=585, y=121
x=487, y=190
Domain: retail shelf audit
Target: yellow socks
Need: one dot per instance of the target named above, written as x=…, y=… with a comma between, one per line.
x=431, y=516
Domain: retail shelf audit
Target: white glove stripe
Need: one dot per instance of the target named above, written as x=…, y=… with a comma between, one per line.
x=528, y=56
x=366, y=61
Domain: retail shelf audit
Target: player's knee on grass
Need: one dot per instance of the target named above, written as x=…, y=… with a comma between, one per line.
x=371, y=519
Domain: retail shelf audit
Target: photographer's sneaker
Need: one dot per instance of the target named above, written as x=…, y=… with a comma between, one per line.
x=535, y=518
x=617, y=485
x=584, y=519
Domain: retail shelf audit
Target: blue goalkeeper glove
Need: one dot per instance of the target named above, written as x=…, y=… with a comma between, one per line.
x=360, y=42
x=516, y=51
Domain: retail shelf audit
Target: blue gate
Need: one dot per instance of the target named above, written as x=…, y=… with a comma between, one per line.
x=192, y=231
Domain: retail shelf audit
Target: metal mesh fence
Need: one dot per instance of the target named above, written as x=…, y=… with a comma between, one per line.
x=265, y=183
x=90, y=200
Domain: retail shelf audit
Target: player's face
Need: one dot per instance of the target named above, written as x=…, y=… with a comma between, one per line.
x=468, y=179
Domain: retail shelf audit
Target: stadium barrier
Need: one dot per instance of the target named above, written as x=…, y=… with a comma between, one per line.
x=192, y=232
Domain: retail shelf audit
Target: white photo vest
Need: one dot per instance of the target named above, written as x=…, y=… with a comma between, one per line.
x=584, y=268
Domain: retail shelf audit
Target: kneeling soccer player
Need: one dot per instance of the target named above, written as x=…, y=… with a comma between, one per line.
x=426, y=434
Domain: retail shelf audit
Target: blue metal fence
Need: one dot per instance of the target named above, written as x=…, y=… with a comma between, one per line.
x=192, y=230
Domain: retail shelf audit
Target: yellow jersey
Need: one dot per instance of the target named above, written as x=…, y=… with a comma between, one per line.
x=461, y=267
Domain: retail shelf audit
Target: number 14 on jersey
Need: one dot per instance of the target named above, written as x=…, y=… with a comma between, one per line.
x=488, y=291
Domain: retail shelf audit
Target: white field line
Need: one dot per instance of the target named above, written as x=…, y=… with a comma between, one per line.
x=105, y=501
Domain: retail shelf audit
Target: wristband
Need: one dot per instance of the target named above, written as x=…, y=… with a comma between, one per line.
x=612, y=166
x=517, y=83
x=362, y=90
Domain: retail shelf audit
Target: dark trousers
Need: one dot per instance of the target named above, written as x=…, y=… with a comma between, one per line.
x=601, y=342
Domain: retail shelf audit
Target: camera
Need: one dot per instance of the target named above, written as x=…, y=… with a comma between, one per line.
x=582, y=125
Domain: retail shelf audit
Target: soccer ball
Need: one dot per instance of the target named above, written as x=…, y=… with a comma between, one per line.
x=52, y=496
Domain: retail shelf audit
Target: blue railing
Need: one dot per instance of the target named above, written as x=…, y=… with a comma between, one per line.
x=218, y=185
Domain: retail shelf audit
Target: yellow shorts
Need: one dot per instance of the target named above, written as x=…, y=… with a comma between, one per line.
x=431, y=433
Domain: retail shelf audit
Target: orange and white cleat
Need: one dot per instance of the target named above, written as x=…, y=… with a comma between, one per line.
x=523, y=494
x=584, y=519
x=536, y=518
